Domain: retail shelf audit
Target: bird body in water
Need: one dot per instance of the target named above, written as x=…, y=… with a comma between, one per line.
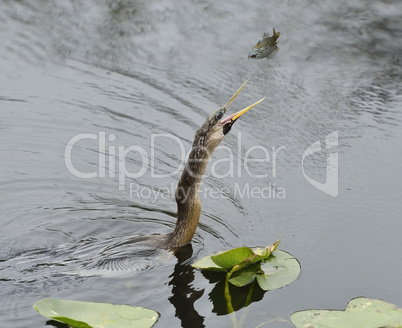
x=207, y=139
x=121, y=256
x=138, y=253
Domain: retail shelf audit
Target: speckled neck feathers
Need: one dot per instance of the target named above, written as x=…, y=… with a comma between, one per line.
x=206, y=140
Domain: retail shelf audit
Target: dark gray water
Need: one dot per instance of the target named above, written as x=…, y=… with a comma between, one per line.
x=126, y=73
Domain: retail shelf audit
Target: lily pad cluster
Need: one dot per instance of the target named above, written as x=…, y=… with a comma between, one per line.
x=360, y=312
x=96, y=315
x=271, y=268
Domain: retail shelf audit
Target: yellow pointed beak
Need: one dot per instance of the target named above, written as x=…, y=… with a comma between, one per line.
x=234, y=96
x=235, y=116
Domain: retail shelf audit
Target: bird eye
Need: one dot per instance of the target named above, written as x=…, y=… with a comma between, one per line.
x=219, y=115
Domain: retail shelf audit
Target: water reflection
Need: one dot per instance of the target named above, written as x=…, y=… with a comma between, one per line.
x=183, y=294
x=38, y=265
x=183, y=297
x=240, y=296
x=56, y=324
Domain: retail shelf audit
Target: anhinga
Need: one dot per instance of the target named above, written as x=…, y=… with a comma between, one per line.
x=137, y=253
x=206, y=140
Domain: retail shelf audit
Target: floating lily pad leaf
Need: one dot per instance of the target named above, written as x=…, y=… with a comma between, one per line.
x=243, y=279
x=235, y=259
x=229, y=259
x=337, y=319
x=360, y=312
x=207, y=264
x=265, y=252
x=272, y=270
x=279, y=270
x=363, y=304
x=245, y=275
x=96, y=315
x=261, y=254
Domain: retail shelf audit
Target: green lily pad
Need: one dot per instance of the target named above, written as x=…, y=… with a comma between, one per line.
x=96, y=315
x=362, y=304
x=243, y=279
x=360, y=312
x=245, y=275
x=263, y=253
x=236, y=257
x=207, y=264
x=229, y=259
x=272, y=268
x=279, y=270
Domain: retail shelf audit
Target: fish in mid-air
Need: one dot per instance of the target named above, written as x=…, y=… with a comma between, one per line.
x=265, y=48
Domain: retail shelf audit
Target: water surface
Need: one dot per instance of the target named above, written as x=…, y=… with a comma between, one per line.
x=128, y=72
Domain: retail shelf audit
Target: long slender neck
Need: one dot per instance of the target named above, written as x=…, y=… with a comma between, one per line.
x=187, y=198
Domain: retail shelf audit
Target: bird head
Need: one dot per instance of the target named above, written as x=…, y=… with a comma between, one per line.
x=216, y=127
